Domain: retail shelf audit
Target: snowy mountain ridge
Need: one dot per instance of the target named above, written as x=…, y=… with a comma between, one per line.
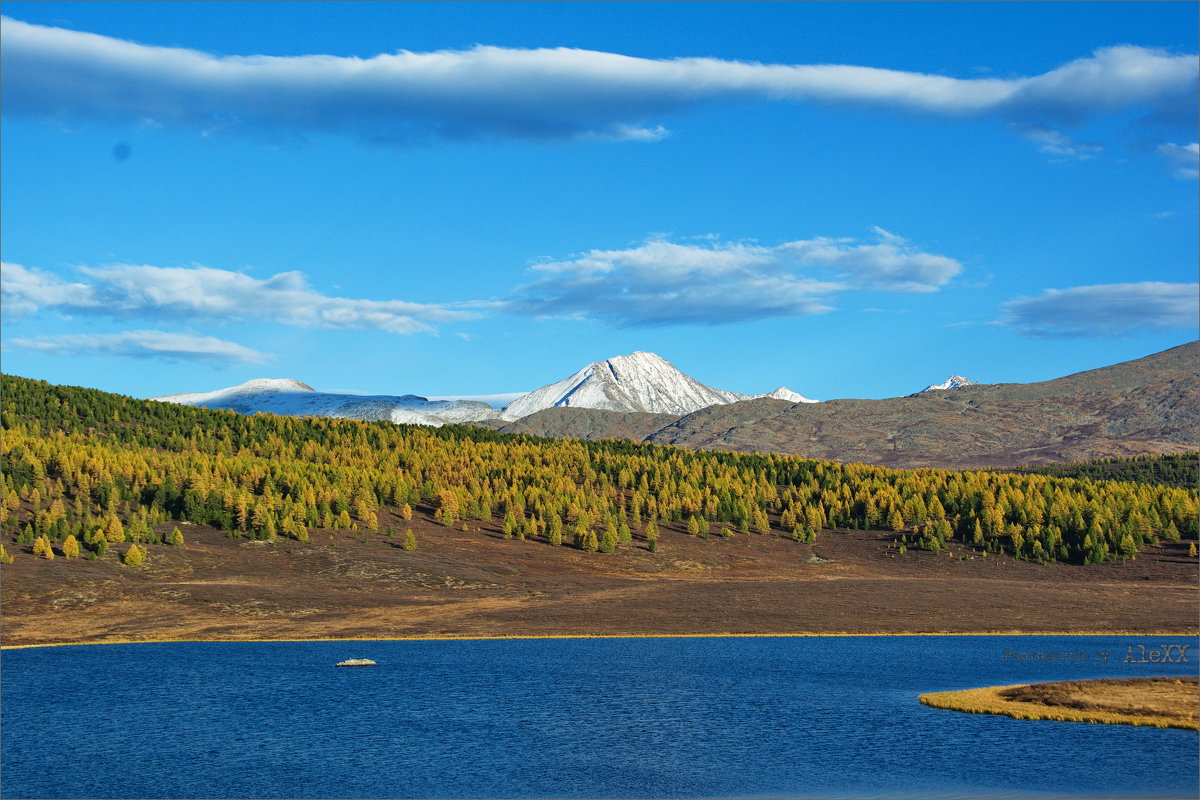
x=639, y=381
x=296, y=399
x=251, y=388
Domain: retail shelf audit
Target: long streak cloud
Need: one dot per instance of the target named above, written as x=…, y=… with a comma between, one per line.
x=1105, y=310
x=550, y=93
x=126, y=291
x=153, y=344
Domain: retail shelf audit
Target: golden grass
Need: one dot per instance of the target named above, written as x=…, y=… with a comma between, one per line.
x=1154, y=702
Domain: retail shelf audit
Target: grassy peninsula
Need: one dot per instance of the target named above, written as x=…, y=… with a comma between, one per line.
x=1155, y=702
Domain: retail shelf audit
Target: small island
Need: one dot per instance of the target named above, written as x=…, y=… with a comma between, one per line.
x=356, y=662
x=1161, y=702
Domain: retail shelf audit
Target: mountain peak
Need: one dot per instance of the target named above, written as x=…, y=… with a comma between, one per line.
x=639, y=358
x=639, y=381
x=953, y=382
x=784, y=393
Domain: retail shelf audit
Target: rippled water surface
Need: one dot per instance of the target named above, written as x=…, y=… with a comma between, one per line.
x=749, y=717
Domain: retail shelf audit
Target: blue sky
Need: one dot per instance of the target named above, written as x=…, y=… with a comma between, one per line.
x=853, y=200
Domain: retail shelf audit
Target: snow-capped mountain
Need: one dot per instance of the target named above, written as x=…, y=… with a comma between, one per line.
x=293, y=398
x=953, y=382
x=636, y=382
x=784, y=393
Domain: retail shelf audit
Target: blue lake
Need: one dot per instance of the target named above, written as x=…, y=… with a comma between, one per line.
x=732, y=717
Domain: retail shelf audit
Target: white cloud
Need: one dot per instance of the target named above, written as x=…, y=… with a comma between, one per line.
x=1054, y=142
x=128, y=290
x=160, y=345
x=25, y=290
x=550, y=93
x=1111, y=79
x=1104, y=310
x=663, y=282
x=1184, y=159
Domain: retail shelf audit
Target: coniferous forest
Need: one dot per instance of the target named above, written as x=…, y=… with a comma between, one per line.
x=1178, y=469
x=85, y=470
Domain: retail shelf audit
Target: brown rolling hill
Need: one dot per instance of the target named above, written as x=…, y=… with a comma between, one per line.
x=1149, y=405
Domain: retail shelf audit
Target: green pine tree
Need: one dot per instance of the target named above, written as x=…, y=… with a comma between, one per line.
x=608, y=541
x=588, y=542
x=136, y=554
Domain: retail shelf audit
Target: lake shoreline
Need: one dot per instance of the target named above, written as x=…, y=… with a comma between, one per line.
x=582, y=636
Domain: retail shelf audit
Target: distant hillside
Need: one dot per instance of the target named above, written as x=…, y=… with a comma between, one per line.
x=1150, y=405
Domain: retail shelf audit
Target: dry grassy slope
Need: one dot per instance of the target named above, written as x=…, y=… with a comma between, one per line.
x=1150, y=405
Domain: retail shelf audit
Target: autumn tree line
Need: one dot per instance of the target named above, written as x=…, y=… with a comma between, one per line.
x=94, y=469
